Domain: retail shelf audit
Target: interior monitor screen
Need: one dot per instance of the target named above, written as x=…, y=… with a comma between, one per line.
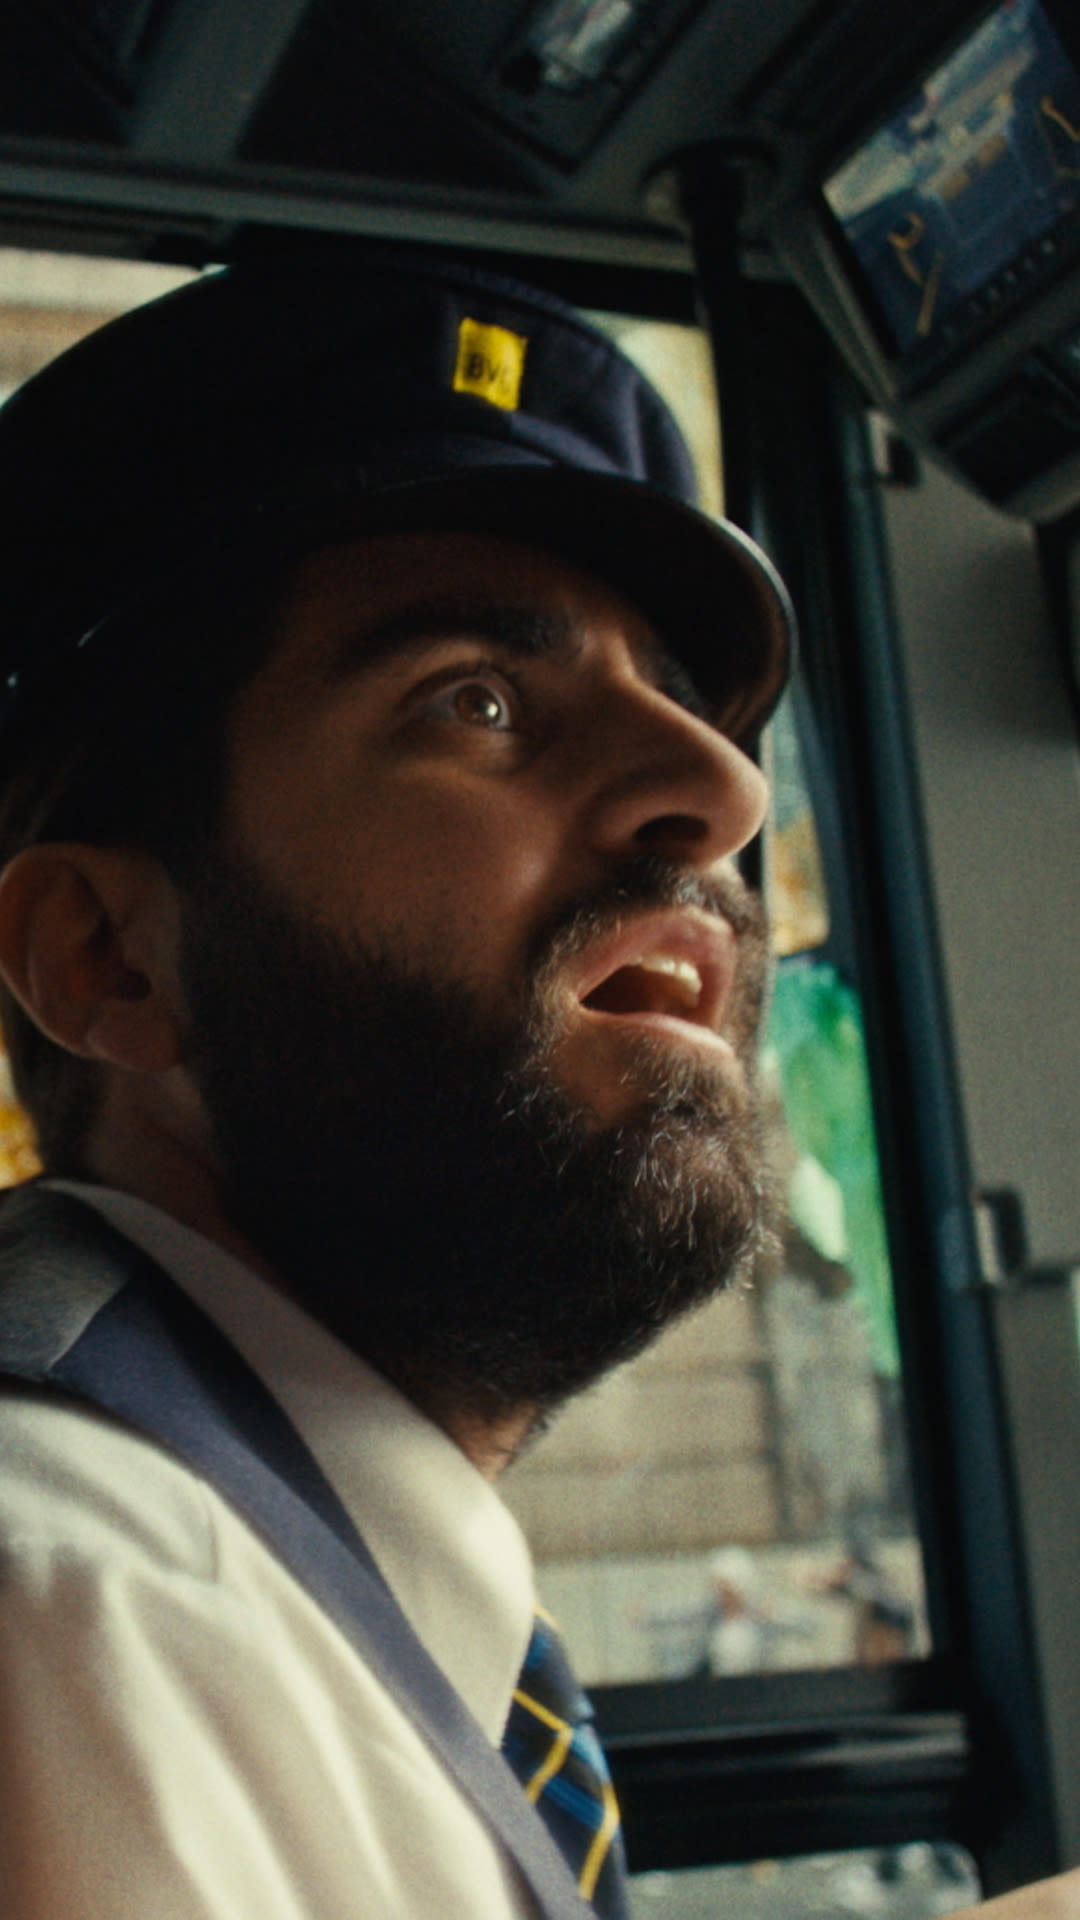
x=969, y=177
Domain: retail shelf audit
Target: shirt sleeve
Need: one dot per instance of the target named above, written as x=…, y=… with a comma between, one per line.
x=183, y=1734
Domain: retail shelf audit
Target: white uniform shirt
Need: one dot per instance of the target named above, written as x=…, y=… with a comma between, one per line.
x=183, y=1734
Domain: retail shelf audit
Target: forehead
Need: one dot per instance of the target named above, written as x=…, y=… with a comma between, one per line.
x=347, y=608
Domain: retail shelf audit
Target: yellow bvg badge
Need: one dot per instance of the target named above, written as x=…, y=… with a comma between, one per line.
x=490, y=363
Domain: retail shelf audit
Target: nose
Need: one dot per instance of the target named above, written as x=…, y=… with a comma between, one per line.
x=666, y=782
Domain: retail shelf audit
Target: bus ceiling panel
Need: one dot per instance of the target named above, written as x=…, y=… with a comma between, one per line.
x=559, y=79
x=209, y=65
x=554, y=116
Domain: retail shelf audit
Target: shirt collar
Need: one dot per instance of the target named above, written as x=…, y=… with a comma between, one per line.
x=452, y=1554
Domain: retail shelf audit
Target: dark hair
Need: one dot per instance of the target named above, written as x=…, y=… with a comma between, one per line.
x=124, y=745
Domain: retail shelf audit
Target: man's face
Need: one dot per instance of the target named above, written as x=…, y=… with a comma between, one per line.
x=473, y=983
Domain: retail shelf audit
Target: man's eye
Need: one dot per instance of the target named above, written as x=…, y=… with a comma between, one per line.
x=474, y=703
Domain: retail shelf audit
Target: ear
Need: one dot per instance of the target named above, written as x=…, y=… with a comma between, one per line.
x=89, y=938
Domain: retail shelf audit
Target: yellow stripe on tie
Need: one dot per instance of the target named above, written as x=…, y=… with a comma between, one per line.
x=556, y=1753
x=490, y=363
x=598, y=1852
x=542, y=1713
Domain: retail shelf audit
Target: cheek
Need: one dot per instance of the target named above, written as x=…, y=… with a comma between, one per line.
x=460, y=882
x=455, y=876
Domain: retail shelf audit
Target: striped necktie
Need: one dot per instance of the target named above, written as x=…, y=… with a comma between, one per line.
x=550, y=1743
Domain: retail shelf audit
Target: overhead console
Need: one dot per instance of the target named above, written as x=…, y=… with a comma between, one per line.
x=938, y=235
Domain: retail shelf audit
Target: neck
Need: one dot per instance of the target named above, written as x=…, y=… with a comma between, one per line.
x=491, y=1440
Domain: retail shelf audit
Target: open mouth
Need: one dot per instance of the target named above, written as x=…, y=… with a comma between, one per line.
x=671, y=966
x=656, y=983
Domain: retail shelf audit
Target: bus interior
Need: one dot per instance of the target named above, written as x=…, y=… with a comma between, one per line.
x=818, y=1554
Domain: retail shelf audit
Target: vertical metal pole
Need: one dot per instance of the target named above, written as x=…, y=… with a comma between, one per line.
x=713, y=191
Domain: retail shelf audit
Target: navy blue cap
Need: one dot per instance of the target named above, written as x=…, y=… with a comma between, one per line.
x=319, y=397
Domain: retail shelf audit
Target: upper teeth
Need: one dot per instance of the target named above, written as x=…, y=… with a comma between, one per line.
x=684, y=971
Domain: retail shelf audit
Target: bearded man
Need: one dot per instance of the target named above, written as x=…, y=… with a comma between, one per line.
x=382, y=988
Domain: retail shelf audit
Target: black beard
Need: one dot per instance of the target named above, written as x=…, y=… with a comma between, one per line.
x=418, y=1180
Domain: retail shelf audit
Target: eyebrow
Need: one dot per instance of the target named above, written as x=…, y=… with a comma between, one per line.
x=528, y=632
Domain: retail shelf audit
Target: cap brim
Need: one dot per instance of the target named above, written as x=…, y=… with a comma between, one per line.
x=710, y=594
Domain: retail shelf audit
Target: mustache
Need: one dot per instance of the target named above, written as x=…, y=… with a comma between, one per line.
x=642, y=884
